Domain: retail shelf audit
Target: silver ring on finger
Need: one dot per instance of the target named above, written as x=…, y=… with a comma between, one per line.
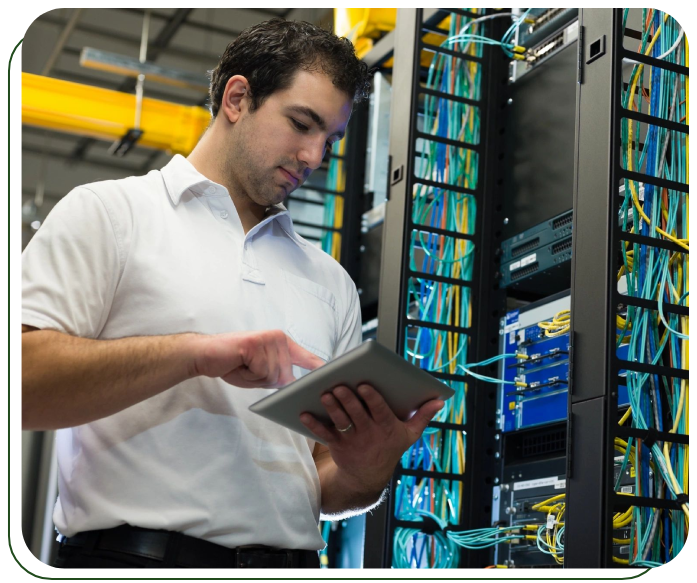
x=345, y=429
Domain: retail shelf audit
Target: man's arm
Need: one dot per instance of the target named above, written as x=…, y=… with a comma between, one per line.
x=68, y=380
x=341, y=497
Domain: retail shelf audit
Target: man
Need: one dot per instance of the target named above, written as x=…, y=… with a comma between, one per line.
x=152, y=305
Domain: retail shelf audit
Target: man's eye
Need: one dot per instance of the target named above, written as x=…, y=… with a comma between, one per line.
x=299, y=126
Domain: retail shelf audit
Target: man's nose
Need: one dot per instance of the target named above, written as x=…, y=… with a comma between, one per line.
x=312, y=154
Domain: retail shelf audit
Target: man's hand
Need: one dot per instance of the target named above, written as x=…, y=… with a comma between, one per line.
x=367, y=453
x=68, y=380
x=261, y=359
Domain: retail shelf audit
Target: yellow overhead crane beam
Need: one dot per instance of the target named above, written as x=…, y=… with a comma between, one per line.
x=107, y=115
x=363, y=26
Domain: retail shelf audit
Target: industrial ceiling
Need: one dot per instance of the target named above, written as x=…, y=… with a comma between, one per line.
x=185, y=39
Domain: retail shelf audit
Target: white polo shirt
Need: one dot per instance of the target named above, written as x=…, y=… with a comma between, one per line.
x=166, y=253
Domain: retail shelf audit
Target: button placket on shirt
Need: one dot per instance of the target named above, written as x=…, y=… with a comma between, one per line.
x=217, y=205
x=250, y=271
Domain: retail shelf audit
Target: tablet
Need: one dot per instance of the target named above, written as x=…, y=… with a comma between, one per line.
x=404, y=387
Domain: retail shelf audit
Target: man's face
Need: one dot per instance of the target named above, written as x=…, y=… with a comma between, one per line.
x=275, y=148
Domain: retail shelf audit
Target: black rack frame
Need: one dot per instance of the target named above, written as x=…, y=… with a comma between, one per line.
x=597, y=238
x=482, y=461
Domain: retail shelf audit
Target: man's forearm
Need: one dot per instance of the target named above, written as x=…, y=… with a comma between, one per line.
x=343, y=495
x=69, y=381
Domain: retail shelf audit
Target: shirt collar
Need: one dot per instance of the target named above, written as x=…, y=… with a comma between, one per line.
x=180, y=175
x=282, y=217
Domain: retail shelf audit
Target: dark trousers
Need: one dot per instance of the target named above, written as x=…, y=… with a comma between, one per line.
x=127, y=547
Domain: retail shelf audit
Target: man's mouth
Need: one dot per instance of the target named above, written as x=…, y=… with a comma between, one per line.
x=292, y=178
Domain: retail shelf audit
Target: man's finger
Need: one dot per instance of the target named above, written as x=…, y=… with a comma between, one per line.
x=420, y=419
x=250, y=376
x=272, y=364
x=303, y=358
x=317, y=428
x=257, y=368
x=285, y=365
x=379, y=409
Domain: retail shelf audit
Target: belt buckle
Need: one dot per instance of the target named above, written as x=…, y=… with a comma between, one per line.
x=239, y=564
x=241, y=560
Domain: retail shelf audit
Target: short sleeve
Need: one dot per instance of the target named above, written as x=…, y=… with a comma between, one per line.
x=71, y=267
x=351, y=330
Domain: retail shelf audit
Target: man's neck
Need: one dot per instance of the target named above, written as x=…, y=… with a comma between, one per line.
x=206, y=159
x=250, y=213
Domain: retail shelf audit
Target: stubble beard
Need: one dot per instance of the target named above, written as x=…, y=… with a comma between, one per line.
x=247, y=172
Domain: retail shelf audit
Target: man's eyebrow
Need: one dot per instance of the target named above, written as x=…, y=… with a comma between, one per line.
x=314, y=116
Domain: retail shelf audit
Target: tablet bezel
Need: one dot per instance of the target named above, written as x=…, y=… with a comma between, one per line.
x=404, y=387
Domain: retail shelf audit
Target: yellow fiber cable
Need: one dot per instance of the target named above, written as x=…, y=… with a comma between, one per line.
x=619, y=523
x=338, y=219
x=635, y=198
x=548, y=501
x=682, y=402
x=456, y=293
x=626, y=415
x=686, y=343
x=560, y=324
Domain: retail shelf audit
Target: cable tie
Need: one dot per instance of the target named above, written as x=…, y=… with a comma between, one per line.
x=682, y=499
x=650, y=437
x=429, y=526
x=551, y=521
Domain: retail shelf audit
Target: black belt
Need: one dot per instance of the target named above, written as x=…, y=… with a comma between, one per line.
x=177, y=549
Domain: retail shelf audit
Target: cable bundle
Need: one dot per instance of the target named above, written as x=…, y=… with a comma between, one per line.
x=654, y=336
x=334, y=204
x=441, y=450
x=444, y=351
x=549, y=537
x=559, y=325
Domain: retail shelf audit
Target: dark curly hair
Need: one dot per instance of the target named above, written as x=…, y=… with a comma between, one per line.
x=270, y=53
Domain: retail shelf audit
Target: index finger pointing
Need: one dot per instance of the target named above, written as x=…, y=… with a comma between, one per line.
x=303, y=358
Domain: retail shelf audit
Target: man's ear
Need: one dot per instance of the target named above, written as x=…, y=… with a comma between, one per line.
x=235, y=99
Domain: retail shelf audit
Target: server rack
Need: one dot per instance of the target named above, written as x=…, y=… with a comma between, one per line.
x=594, y=295
x=595, y=367
x=482, y=455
